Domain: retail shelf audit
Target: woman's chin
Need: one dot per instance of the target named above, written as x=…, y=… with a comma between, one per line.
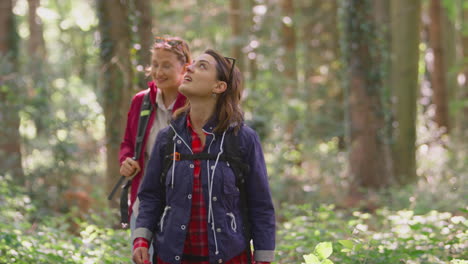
x=183, y=89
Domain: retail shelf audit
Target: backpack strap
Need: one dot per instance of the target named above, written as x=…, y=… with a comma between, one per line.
x=168, y=159
x=145, y=113
x=241, y=170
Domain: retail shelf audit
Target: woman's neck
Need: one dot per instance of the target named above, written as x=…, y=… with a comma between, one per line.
x=200, y=113
x=169, y=96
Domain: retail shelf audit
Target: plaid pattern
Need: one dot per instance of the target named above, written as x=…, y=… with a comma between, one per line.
x=196, y=242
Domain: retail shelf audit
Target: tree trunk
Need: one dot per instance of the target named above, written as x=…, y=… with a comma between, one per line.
x=36, y=43
x=405, y=18
x=10, y=139
x=116, y=78
x=449, y=37
x=364, y=87
x=235, y=19
x=37, y=67
x=145, y=36
x=289, y=43
x=440, y=97
x=463, y=89
x=289, y=69
x=252, y=55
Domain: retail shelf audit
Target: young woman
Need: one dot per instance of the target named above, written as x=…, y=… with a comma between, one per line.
x=194, y=213
x=170, y=57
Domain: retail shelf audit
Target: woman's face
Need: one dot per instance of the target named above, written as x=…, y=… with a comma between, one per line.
x=200, y=79
x=166, y=70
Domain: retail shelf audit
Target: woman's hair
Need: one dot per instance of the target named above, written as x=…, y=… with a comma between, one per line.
x=175, y=45
x=227, y=110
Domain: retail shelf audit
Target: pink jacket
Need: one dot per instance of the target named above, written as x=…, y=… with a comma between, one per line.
x=127, y=147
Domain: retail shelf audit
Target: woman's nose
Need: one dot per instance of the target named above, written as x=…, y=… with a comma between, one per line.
x=189, y=67
x=158, y=72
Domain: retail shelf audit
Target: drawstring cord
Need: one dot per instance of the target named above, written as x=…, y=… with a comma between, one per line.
x=174, y=152
x=233, y=222
x=173, y=161
x=210, y=190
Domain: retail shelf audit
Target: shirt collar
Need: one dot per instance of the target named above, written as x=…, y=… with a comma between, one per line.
x=160, y=101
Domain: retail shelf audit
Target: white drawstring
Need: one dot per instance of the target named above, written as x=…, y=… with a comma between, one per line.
x=210, y=189
x=233, y=221
x=173, y=162
x=161, y=223
x=174, y=153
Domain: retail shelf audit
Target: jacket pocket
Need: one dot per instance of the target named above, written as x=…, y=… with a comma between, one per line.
x=229, y=182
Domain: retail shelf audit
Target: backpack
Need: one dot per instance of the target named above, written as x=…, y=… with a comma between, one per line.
x=145, y=112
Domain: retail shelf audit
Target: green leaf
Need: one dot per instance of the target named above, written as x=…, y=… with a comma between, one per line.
x=349, y=244
x=311, y=259
x=326, y=261
x=323, y=250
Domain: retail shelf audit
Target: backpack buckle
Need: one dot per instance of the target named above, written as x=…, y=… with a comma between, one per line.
x=176, y=156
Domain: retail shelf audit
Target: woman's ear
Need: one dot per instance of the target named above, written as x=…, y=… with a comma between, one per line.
x=220, y=87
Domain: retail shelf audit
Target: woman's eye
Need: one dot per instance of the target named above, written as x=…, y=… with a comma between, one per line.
x=203, y=66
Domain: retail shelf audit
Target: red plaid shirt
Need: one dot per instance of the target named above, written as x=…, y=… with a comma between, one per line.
x=196, y=242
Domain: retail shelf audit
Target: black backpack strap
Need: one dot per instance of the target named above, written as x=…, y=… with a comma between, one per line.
x=168, y=153
x=241, y=170
x=145, y=113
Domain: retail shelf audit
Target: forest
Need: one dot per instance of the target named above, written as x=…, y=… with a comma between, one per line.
x=361, y=107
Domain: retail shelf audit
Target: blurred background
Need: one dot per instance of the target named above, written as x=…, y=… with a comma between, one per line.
x=361, y=106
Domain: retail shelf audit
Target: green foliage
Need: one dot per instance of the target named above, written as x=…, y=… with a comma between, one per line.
x=28, y=236
x=321, y=253
x=384, y=237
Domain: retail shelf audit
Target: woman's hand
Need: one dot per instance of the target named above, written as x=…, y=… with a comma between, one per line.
x=141, y=255
x=129, y=168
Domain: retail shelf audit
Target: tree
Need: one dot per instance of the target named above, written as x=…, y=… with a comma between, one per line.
x=10, y=139
x=37, y=68
x=252, y=54
x=463, y=89
x=368, y=166
x=439, y=87
x=145, y=39
x=405, y=20
x=289, y=60
x=449, y=37
x=235, y=20
x=116, y=77
x=289, y=45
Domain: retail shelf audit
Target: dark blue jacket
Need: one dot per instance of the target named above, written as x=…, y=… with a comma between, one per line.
x=165, y=219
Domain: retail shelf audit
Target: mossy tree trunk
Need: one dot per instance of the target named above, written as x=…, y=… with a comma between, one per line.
x=116, y=78
x=10, y=96
x=438, y=75
x=405, y=28
x=145, y=40
x=364, y=85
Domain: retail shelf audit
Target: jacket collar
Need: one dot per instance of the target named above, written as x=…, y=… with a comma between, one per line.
x=153, y=91
x=180, y=124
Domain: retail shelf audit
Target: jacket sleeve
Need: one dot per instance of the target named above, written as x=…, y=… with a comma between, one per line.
x=151, y=192
x=128, y=143
x=261, y=212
